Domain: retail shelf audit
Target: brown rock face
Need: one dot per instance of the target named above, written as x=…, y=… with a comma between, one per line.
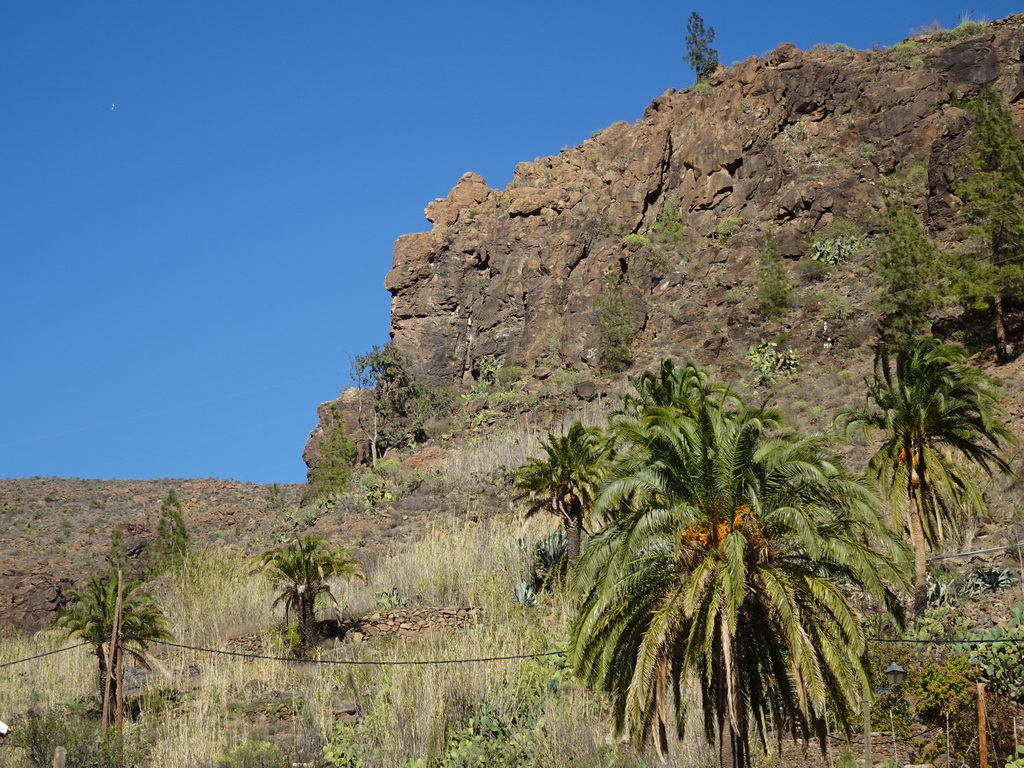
x=785, y=144
x=29, y=600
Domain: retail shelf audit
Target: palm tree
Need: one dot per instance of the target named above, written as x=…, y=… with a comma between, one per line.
x=727, y=564
x=301, y=569
x=565, y=483
x=91, y=618
x=942, y=422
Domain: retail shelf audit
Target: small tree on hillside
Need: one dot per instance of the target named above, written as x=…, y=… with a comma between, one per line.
x=301, y=571
x=402, y=404
x=773, y=295
x=908, y=271
x=993, y=196
x=90, y=618
x=332, y=473
x=614, y=323
x=170, y=547
x=699, y=53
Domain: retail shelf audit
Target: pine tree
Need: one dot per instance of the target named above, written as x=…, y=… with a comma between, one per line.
x=170, y=547
x=907, y=269
x=699, y=53
x=993, y=196
x=614, y=323
x=773, y=293
x=337, y=454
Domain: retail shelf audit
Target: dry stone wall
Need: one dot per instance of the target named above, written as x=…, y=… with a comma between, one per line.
x=411, y=621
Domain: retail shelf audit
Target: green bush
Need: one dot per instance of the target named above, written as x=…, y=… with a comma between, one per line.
x=668, y=224
x=484, y=740
x=255, y=754
x=341, y=751
x=1000, y=657
x=808, y=271
x=633, y=242
x=836, y=242
x=727, y=227
x=906, y=54
x=964, y=31
x=771, y=363
x=41, y=734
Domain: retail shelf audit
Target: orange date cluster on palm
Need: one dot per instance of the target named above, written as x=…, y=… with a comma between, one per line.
x=720, y=524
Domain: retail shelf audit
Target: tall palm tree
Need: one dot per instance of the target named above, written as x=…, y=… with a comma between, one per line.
x=91, y=618
x=942, y=422
x=565, y=483
x=301, y=570
x=727, y=564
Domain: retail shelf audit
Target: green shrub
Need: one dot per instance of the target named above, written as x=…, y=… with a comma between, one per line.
x=808, y=271
x=727, y=227
x=771, y=363
x=341, y=751
x=836, y=242
x=508, y=375
x=255, y=754
x=41, y=733
x=484, y=740
x=866, y=148
x=635, y=241
x=906, y=54
x=702, y=86
x=835, y=306
x=964, y=31
x=668, y=224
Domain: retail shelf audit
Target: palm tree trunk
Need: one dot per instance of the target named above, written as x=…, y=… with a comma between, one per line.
x=307, y=624
x=919, y=544
x=573, y=533
x=730, y=745
x=103, y=667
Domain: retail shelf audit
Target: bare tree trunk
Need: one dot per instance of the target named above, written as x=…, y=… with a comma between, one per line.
x=1004, y=351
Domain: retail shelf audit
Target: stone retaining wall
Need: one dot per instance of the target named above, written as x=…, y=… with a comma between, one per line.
x=410, y=621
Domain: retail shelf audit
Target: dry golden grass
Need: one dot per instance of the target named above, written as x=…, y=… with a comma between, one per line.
x=196, y=706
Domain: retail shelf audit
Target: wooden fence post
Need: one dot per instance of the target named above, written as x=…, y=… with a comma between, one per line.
x=982, y=735
x=115, y=631
x=868, y=762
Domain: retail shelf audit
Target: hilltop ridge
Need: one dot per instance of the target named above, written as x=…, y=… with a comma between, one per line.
x=788, y=143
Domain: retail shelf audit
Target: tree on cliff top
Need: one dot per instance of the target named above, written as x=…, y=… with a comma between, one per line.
x=699, y=53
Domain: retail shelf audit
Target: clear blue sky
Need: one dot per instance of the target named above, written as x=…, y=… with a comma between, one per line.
x=198, y=200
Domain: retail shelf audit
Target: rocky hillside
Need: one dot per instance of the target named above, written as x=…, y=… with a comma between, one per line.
x=789, y=143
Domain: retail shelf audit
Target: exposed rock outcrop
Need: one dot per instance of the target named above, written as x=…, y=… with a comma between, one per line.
x=786, y=143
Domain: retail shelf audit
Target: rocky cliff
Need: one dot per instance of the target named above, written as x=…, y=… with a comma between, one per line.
x=787, y=143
